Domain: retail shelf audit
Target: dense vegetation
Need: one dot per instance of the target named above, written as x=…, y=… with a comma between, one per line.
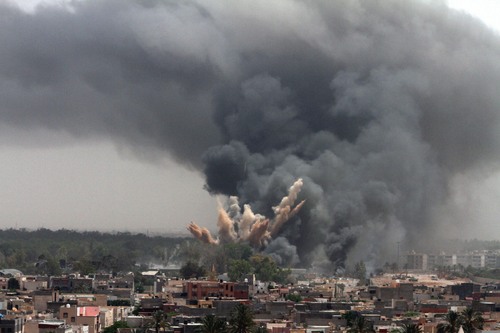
x=238, y=260
x=45, y=251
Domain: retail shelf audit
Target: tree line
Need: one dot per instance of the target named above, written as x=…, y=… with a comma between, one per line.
x=54, y=252
x=241, y=320
x=50, y=252
x=468, y=319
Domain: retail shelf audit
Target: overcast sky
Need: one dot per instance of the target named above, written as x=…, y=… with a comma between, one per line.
x=51, y=177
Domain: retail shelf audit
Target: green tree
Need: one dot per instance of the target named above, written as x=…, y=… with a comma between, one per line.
x=192, y=250
x=160, y=320
x=19, y=258
x=241, y=320
x=53, y=267
x=411, y=328
x=192, y=270
x=452, y=324
x=265, y=269
x=114, y=328
x=264, y=266
x=471, y=320
x=238, y=251
x=212, y=324
x=294, y=298
x=360, y=272
x=222, y=256
x=281, y=275
x=350, y=317
x=84, y=266
x=361, y=325
x=238, y=269
x=260, y=329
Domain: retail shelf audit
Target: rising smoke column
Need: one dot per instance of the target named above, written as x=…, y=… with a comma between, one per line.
x=377, y=105
x=362, y=106
x=285, y=210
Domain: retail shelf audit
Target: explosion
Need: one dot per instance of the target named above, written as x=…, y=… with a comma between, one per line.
x=388, y=111
x=255, y=229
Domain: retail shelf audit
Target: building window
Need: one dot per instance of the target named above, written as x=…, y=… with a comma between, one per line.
x=73, y=319
x=65, y=315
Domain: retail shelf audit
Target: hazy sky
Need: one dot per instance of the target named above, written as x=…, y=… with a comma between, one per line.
x=51, y=178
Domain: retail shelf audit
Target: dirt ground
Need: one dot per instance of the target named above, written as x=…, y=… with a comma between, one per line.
x=416, y=279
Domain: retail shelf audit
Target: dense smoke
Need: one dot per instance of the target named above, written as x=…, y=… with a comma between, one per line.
x=376, y=105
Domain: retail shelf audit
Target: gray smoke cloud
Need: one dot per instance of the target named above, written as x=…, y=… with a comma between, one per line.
x=376, y=105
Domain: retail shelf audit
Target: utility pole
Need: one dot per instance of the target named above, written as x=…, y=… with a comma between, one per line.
x=398, y=257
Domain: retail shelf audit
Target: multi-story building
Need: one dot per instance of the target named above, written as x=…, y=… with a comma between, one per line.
x=491, y=260
x=476, y=261
x=47, y=326
x=11, y=324
x=424, y=262
x=41, y=298
x=204, y=289
x=464, y=290
x=464, y=260
x=417, y=261
x=32, y=283
x=433, y=261
x=81, y=315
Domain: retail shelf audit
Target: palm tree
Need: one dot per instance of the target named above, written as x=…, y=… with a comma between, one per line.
x=452, y=324
x=212, y=324
x=411, y=328
x=350, y=317
x=159, y=320
x=361, y=325
x=471, y=320
x=241, y=320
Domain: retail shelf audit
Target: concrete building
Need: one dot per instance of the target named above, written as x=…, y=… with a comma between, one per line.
x=476, y=259
x=417, y=261
x=204, y=289
x=47, y=326
x=72, y=284
x=82, y=315
x=41, y=298
x=395, y=291
x=11, y=324
x=465, y=290
x=491, y=260
x=31, y=283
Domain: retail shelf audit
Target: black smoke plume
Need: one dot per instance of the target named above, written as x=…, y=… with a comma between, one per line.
x=376, y=105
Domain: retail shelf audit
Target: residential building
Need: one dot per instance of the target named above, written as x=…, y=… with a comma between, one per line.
x=9, y=324
x=82, y=315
